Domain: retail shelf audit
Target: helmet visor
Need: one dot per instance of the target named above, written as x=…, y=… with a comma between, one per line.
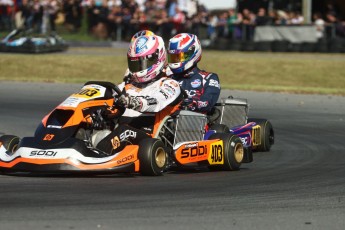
x=137, y=64
x=180, y=57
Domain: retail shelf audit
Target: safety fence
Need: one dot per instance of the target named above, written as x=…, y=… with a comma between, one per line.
x=301, y=38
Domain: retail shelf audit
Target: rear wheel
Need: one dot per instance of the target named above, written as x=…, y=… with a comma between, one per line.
x=266, y=134
x=233, y=151
x=10, y=142
x=152, y=157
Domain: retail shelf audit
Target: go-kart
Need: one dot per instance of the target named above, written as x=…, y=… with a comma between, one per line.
x=256, y=134
x=69, y=140
x=21, y=41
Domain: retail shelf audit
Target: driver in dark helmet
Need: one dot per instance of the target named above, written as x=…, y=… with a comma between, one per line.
x=202, y=87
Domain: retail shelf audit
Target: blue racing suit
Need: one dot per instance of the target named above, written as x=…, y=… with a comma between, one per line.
x=202, y=88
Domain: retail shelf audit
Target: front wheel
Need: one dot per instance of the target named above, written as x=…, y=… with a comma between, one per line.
x=152, y=157
x=266, y=134
x=233, y=151
x=10, y=142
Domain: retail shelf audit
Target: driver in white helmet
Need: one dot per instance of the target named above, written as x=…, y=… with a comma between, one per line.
x=147, y=92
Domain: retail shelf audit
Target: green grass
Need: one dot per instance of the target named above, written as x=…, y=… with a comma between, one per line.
x=279, y=72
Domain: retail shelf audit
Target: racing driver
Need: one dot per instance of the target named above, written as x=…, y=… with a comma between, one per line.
x=202, y=88
x=147, y=91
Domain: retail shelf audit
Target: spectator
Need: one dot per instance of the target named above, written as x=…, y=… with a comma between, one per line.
x=262, y=18
x=211, y=27
x=52, y=9
x=282, y=18
x=222, y=29
x=337, y=25
x=73, y=13
x=296, y=18
x=98, y=15
x=179, y=19
x=320, y=25
x=6, y=9
x=126, y=20
x=26, y=15
x=246, y=18
x=234, y=21
x=171, y=7
x=272, y=17
x=37, y=10
x=114, y=22
x=164, y=24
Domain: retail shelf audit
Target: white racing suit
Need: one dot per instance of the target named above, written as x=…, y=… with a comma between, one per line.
x=137, y=125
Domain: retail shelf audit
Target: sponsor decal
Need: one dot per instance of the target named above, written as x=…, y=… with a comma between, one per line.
x=43, y=153
x=175, y=84
x=141, y=44
x=126, y=134
x=191, y=145
x=164, y=94
x=173, y=51
x=147, y=129
x=125, y=159
x=191, y=93
x=214, y=83
x=244, y=141
x=167, y=86
x=217, y=153
x=196, y=83
x=193, y=150
x=48, y=137
x=115, y=142
x=54, y=126
x=202, y=104
x=169, y=91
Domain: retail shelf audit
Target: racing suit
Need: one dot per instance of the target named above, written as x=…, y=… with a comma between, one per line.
x=202, y=88
x=135, y=125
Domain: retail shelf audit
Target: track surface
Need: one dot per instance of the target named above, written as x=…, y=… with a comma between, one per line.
x=300, y=184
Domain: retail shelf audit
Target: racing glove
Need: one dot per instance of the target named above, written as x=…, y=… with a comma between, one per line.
x=189, y=104
x=131, y=102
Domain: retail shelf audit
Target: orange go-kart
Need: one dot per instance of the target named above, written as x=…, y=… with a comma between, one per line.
x=67, y=140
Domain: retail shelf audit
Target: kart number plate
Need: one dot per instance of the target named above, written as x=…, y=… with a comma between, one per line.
x=216, y=157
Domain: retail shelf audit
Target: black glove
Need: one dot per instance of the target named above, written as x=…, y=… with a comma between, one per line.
x=98, y=120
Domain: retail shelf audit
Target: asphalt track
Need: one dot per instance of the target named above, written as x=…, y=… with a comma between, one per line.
x=300, y=184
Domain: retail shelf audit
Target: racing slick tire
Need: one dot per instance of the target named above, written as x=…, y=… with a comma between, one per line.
x=10, y=142
x=152, y=157
x=266, y=134
x=220, y=128
x=233, y=152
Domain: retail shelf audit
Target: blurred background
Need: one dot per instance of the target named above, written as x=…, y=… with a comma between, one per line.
x=247, y=25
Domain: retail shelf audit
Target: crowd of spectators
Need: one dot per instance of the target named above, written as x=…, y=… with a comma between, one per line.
x=120, y=19
x=235, y=25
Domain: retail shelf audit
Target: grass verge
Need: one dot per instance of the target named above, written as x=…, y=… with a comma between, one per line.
x=279, y=72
